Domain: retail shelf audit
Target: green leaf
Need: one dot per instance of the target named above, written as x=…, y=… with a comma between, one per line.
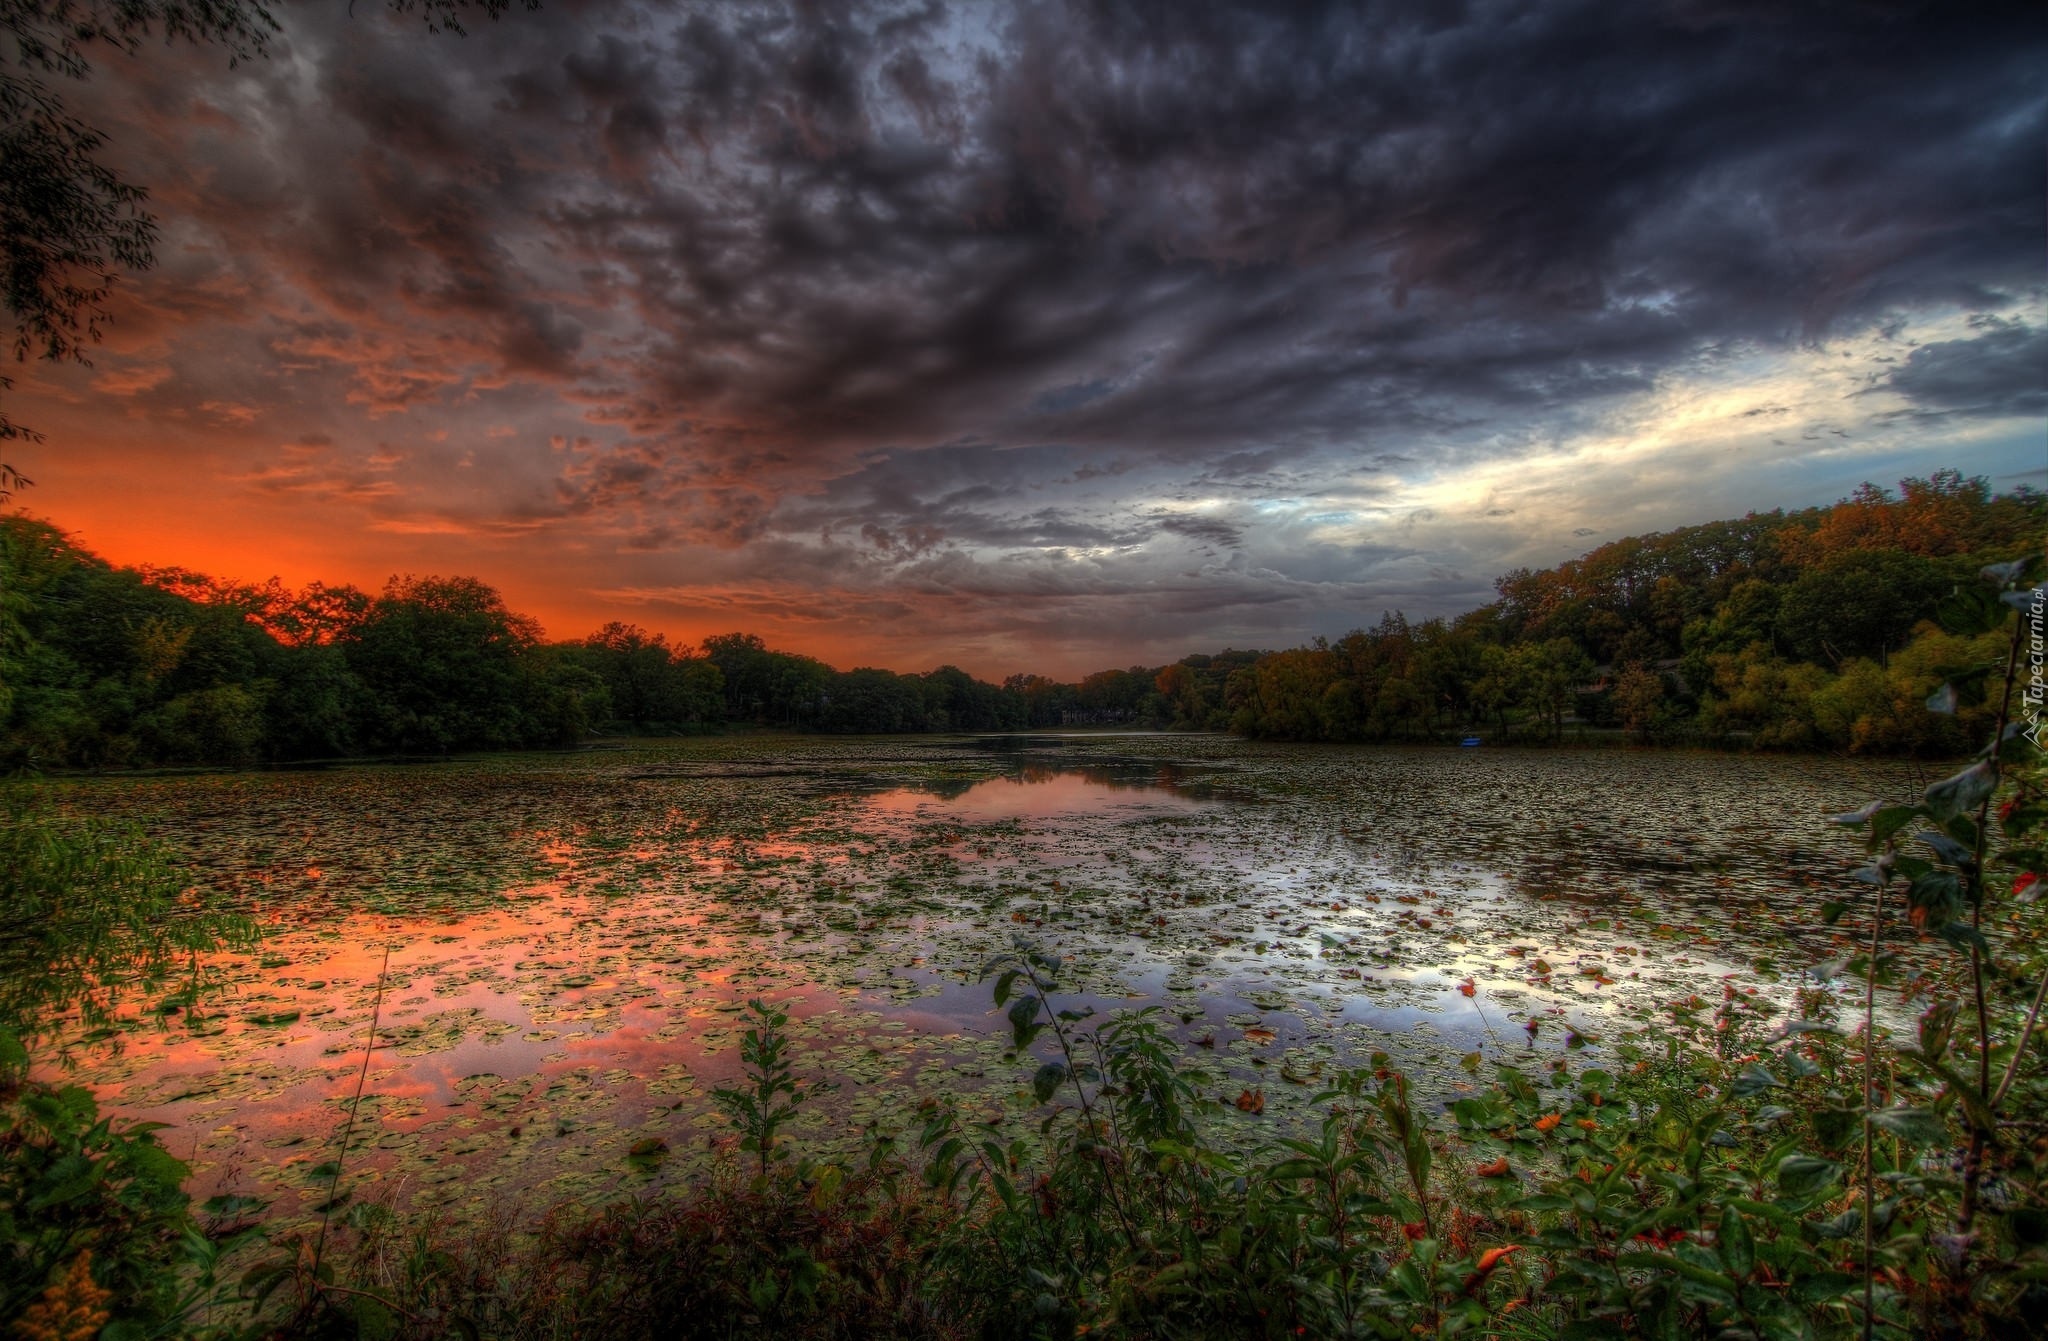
x=1963, y=791
x=1542, y=1201
x=1914, y=1126
x=1737, y=1248
x=1973, y=1102
x=1712, y=1283
x=1834, y=1126
x=1409, y=1281
x=1047, y=1079
x=1969, y=611
x=1937, y=1024
x=1965, y=937
x=1751, y=1080
x=1803, y=1175
x=1023, y=1017
x=1831, y=911
x=1947, y=848
x=374, y=1322
x=1818, y=1287
x=1939, y=894
x=1888, y=821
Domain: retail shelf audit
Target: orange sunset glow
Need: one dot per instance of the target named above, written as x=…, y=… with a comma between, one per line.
x=888, y=343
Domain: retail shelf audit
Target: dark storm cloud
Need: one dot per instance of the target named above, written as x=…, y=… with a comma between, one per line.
x=2003, y=372
x=1191, y=228
x=955, y=313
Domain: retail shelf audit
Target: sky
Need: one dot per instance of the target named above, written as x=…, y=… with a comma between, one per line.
x=1047, y=337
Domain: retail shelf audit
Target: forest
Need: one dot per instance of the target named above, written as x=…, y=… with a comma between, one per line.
x=1817, y=629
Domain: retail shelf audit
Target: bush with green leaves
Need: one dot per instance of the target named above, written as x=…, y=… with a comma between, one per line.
x=72, y=1182
x=90, y=917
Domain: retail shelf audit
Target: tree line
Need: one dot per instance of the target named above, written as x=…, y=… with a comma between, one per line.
x=1819, y=629
x=1815, y=629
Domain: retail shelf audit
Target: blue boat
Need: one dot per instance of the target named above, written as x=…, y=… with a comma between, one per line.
x=1469, y=741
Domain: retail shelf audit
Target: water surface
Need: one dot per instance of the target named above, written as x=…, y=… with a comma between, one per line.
x=570, y=937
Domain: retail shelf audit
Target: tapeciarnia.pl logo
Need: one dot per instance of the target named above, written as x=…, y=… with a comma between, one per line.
x=2034, y=694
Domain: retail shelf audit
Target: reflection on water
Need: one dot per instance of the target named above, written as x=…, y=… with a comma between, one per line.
x=1043, y=790
x=571, y=936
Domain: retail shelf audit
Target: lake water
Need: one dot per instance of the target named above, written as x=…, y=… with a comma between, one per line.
x=563, y=941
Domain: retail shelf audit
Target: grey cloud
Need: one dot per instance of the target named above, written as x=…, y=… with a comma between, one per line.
x=1085, y=294
x=798, y=232
x=1213, y=530
x=2003, y=372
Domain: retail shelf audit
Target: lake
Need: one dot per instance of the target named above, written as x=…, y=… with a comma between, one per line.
x=563, y=941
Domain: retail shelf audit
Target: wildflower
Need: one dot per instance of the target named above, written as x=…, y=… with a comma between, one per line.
x=72, y=1309
x=1492, y=1257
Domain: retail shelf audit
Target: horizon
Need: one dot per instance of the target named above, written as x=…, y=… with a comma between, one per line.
x=1043, y=339
x=1067, y=674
